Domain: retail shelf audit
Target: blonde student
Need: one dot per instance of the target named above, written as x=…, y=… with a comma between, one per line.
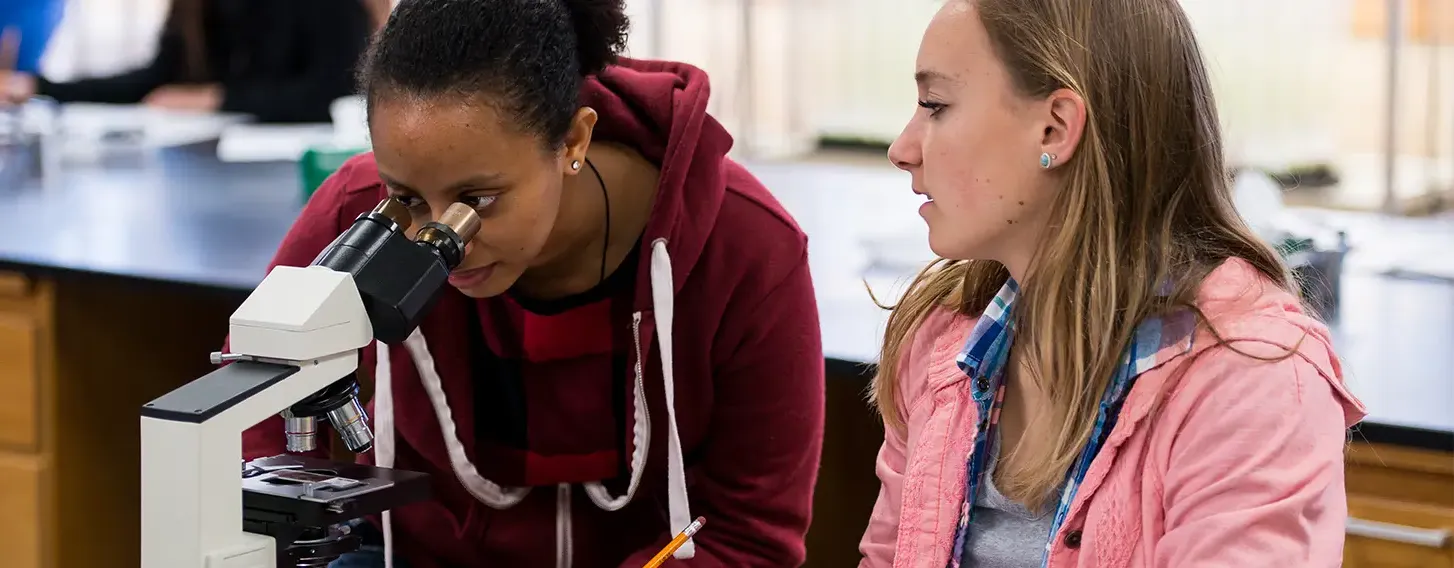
x=1107, y=368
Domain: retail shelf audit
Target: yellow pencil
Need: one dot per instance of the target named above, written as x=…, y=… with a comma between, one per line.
x=671, y=547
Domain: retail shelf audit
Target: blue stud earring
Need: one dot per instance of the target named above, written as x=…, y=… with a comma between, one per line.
x=1046, y=159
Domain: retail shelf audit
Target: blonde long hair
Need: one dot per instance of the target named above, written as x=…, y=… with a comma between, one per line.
x=1146, y=201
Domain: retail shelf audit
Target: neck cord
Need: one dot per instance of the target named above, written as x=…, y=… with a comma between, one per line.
x=607, y=198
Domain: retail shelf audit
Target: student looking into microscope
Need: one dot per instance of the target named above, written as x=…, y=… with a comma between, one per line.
x=632, y=339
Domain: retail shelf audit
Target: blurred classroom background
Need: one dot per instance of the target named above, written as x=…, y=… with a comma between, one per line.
x=130, y=233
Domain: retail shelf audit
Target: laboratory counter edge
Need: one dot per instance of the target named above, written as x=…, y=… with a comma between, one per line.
x=838, y=367
x=116, y=282
x=182, y=217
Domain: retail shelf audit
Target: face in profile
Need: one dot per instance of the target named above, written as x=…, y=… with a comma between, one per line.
x=433, y=152
x=973, y=147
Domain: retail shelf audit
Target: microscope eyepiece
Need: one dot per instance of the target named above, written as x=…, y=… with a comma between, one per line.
x=398, y=277
x=463, y=220
x=394, y=211
x=449, y=235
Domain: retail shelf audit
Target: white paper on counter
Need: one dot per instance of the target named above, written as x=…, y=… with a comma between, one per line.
x=89, y=123
x=271, y=142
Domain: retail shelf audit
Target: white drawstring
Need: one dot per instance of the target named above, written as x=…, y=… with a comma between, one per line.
x=562, y=526
x=662, y=299
x=497, y=497
x=384, y=436
x=483, y=489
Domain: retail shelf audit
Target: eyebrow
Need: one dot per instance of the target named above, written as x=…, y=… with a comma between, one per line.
x=927, y=77
x=478, y=181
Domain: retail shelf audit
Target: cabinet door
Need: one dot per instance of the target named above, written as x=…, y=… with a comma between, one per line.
x=18, y=381
x=1393, y=534
x=20, y=511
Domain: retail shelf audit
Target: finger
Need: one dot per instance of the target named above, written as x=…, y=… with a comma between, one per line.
x=9, y=48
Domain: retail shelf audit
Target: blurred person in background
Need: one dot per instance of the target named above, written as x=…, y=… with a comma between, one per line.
x=27, y=25
x=277, y=60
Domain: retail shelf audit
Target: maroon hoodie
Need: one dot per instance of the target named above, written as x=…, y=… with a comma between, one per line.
x=719, y=416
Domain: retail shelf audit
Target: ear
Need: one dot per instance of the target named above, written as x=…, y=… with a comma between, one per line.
x=1064, y=125
x=578, y=140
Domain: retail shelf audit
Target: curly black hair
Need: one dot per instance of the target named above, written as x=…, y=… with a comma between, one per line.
x=528, y=56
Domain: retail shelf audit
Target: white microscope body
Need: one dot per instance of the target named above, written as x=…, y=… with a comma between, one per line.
x=308, y=325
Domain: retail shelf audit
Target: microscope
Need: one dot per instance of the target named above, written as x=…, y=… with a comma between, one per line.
x=294, y=346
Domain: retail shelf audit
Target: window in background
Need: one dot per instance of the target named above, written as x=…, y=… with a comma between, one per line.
x=753, y=51
x=1304, y=84
x=858, y=56
x=1423, y=125
x=1299, y=83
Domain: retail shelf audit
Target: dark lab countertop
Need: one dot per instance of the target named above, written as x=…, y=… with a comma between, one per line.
x=183, y=217
x=176, y=216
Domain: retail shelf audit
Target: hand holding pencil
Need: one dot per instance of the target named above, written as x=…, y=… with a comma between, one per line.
x=671, y=547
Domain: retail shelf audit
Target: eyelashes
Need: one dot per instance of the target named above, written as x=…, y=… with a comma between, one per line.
x=409, y=201
x=933, y=107
x=476, y=202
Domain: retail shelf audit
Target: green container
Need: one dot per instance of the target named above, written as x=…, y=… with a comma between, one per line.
x=319, y=162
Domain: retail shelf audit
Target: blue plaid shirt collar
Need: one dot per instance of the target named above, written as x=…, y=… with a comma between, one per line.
x=989, y=342
x=985, y=351
x=983, y=358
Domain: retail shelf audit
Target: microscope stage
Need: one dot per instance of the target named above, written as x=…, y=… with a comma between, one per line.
x=308, y=492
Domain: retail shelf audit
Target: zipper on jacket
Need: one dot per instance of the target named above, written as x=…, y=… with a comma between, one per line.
x=640, y=365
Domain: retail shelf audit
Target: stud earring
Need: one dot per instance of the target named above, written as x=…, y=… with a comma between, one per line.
x=575, y=164
x=1046, y=159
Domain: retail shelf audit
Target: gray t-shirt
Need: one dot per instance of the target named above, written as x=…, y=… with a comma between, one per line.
x=1005, y=534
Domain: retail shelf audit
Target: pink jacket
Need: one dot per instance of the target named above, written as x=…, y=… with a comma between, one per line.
x=1241, y=466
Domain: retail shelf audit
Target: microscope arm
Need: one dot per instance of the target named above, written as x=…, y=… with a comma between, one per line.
x=191, y=443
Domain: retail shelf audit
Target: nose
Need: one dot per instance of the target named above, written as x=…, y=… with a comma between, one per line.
x=905, y=152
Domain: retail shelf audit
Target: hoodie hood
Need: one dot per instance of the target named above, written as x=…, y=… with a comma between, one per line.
x=659, y=109
x=1259, y=318
x=1247, y=308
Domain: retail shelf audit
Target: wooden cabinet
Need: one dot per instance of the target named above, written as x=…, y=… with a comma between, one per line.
x=1400, y=508
x=26, y=506
x=23, y=510
x=79, y=355
x=19, y=381
x=111, y=345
